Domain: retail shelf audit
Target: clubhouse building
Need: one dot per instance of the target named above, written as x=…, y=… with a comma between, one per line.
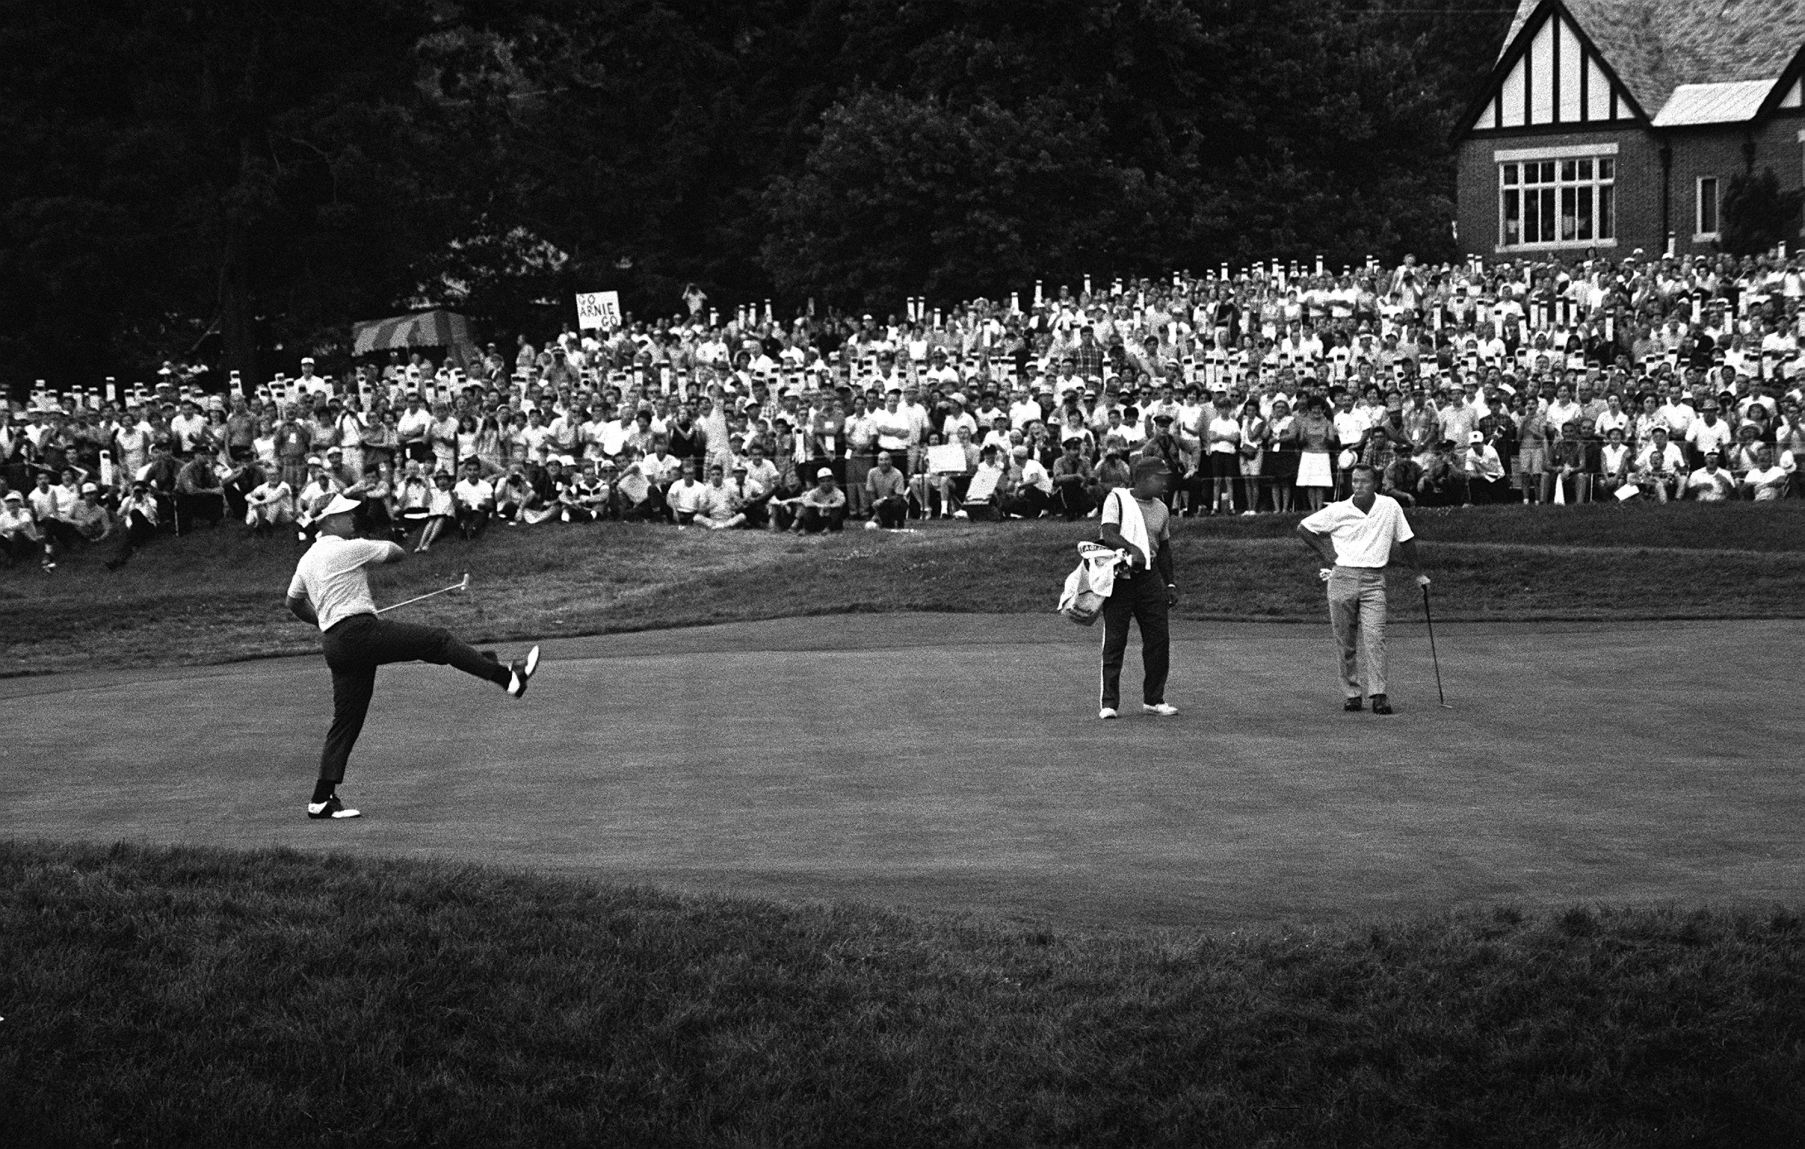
x=1617, y=124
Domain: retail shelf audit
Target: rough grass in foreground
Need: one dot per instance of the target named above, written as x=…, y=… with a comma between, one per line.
x=217, y=596
x=197, y=997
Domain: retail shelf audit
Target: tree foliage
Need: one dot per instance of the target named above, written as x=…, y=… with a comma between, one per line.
x=1756, y=214
x=241, y=175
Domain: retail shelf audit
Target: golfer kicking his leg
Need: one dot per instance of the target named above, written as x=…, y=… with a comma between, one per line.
x=331, y=590
x=1355, y=538
x=1136, y=521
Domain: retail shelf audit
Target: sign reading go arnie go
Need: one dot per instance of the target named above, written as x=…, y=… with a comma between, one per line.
x=598, y=309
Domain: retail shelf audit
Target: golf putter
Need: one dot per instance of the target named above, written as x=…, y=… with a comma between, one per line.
x=461, y=584
x=1433, y=657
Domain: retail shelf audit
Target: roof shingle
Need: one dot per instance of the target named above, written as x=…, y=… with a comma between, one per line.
x=1657, y=45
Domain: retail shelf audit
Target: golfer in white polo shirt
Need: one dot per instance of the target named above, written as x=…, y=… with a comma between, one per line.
x=1355, y=538
x=331, y=590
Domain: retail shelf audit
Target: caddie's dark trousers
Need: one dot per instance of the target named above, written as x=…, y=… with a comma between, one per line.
x=355, y=647
x=1142, y=598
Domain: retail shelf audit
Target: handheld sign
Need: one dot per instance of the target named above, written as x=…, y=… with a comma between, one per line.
x=598, y=309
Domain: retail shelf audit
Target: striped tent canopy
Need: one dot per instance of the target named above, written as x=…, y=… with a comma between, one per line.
x=436, y=328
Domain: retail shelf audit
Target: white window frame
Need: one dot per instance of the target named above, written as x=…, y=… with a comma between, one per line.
x=1520, y=158
x=1699, y=234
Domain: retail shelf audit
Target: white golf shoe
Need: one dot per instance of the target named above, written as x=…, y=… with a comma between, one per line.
x=522, y=672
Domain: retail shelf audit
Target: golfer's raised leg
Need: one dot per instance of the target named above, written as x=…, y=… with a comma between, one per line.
x=331, y=590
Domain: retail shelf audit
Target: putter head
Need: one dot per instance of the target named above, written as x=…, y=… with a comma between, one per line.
x=465, y=585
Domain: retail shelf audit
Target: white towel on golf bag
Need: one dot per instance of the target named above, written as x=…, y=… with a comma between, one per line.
x=1095, y=574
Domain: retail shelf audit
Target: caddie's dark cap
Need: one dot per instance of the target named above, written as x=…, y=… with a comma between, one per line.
x=1150, y=465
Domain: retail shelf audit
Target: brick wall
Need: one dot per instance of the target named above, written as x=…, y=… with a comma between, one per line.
x=1777, y=145
x=1706, y=151
x=1711, y=151
x=1638, y=187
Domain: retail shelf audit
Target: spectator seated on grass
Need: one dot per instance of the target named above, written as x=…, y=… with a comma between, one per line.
x=441, y=512
x=269, y=505
x=1710, y=483
x=92, y=521
x=718, y=506
x=1660, y=468
x=1030, y=487
x=1765, y=480
x=885, y=492
x=683, y=498
x=513, y=494
x=821, y=507
x=20, y=536
x=475, y=498
x=200, y=496
x=139, y=516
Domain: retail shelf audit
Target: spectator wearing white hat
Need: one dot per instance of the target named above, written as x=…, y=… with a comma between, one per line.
x=313, y=496
x=308, y=382
x=20, y=537
x=822, y=507
x=1031, y=495
x=1486, y=479
x=90, y=517
x=1660, y=467
x=1710, y=483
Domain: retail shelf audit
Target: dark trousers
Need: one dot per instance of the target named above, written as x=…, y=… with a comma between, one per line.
x=1028, y=504
x=137, y=531
x=814, y=520
x=1072, y=499
x=355, y=647
x=891, y=511
x=473, y=521
x=1142, y=598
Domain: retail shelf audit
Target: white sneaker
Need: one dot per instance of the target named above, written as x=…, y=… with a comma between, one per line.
x=1163, y=709
x=1107, y=712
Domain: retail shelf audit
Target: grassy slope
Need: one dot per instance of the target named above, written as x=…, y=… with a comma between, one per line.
x=200, y=997
x=216, y=596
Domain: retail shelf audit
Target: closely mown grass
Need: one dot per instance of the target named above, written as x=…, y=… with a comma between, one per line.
x=196, y=997
x=216, y=596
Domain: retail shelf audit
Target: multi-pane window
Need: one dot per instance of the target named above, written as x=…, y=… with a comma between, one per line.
x=1554, y=202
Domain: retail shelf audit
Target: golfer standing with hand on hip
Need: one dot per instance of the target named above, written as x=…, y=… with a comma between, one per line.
x=331, y=590
x=1355, y=537
x=1135, y=520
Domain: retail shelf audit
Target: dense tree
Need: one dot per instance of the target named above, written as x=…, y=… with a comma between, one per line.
x=237, y=174
x=1756, y=213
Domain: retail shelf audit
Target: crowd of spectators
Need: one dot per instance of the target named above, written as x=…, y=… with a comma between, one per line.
x=1544, y=382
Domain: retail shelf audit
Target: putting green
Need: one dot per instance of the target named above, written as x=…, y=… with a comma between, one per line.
x=955, y=762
